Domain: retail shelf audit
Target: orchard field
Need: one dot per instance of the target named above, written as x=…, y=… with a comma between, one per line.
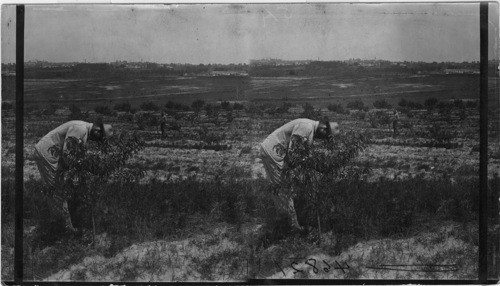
x=203, y=210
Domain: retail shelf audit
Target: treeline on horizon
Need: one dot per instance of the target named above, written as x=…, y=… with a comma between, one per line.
x=264, y=69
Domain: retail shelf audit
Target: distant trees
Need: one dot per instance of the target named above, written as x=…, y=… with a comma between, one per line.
x=337, y=108
x=238, y=106
x=357, y=104
x=226, y=106
x=7, y=106
x=125, y=106
x=149, y=106
x=430, y=102
x=197, y=105
x=176, y=106
x=382, y=103
x=310, y=112
x=104, y=110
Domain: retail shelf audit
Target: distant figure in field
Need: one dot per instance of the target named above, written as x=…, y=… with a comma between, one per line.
x=163, y=124
x=395, y=123
x=50, y=163
x=308, y=130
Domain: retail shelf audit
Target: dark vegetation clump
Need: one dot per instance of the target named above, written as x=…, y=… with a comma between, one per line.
x=149, y=106
x=238, y=106
x=430, y=102
x=7, y=106
x=125, y=106
x=356, y=104
x=104, y=110
x=382, y=103
x=226, y=105
x=147, y=120
x=197, y=105
x=172, y=105
x=337, y=108
x=311, y=112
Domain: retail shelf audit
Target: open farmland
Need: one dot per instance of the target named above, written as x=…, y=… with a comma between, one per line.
x=202, y=211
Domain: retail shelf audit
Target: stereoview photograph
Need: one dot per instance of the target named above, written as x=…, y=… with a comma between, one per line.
x=231, y=142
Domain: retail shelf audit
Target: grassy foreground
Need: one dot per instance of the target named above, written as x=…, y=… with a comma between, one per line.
x=231, y=229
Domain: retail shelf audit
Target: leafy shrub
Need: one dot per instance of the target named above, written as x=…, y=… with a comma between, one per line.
x=403, y=102
x=462, y=114
x=445, y=108
x=197, y=105
x=458, y=103
x=149, y=106
x=50, y=109
x=414, y=105
x=229, y=116
x=246, y=150
x=176, y=106
x=87, y=168
x=226, y=105
x=430, y=102
x=337, y=108
x=439, y=134
x=7, y=106
x=361, y=115
x=147, y=120
x=380, y=118
x=76, y=114
x=357, y=104
x=471, y=104
x=381, y=103
x=104, y=110
x=238, y=106
x=254, y=109
x=74, y=109
x=125, y=106
x=312, y=171
x=310, y=112
x=126, y=117
x=284, y=107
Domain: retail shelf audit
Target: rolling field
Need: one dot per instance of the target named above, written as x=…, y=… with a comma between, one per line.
x=203, y=209
x=317, y=90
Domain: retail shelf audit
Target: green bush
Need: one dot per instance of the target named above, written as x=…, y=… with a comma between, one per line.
x=104, y=110
x=176, y=106
x=337, y=108
x=147, y=120
x=414, y=105
x=197, y=105
x=149, y=106
x=226, y=106
x=311, y=113
x=125, y=106
x=357, y=104
x=430, y=102
x=382, y=103
x=87, y=169
x=238, y=106
x=77, y=114
x=7, y=106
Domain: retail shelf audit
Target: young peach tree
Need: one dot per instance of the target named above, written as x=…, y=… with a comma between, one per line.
x=313, y=172
x=87, y=168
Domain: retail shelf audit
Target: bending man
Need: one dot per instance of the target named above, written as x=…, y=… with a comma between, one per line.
x=49, y=162
x=274, y=163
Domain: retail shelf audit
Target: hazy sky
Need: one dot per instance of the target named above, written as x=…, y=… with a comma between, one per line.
x=224, y=33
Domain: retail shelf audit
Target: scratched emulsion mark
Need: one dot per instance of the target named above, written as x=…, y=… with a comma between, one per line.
x=417, y=267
